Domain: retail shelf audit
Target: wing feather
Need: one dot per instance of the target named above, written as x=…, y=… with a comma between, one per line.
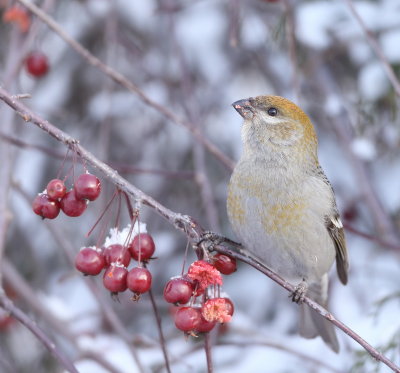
x=335, y=229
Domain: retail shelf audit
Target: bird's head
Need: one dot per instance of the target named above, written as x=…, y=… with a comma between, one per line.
x=273, y=124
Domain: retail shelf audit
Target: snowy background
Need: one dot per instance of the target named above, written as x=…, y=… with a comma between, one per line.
x=196, y=58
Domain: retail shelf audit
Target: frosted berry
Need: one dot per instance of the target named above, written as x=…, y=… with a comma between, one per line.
x=87, y=186
x=56, y=189
x=178, y=291
x=89, y=261
x=117, y=254
x=139, y=280
x=37, y=64
x=225, y=263
x=45, y=207
x=142, y=243
x=72, y=206
x=187, y=319
x=114, y=279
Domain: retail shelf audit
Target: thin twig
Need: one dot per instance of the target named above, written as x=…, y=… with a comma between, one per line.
x=314, y=305
x=371, y=237
x=280, y=347
x=291, y=39
x=120, y=167
x=208, y=350
x=126, y=83
x=377, y=49
x=160, y=331
x=19, y=315
x=182, y=222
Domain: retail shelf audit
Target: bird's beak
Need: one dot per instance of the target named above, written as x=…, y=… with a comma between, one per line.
x=244, y=108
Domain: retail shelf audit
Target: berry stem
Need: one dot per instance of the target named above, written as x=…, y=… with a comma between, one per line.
x=208, y=351
x=118, y=214
x=103, y=213
x=62, y=166
x=185, y=257
x=160, y=331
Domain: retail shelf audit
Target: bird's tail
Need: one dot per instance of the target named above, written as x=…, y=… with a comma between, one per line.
x=311, y=323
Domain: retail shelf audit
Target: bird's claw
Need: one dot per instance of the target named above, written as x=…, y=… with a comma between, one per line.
x=208, y=240
x=299, y=293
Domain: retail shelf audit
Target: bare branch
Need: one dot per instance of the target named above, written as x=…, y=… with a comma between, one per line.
x=377, y=49
x=126, y=83
x=19, y=315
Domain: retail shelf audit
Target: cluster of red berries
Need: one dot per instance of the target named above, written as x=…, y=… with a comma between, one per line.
x=198, y=312
x=115, y=259
x=73, y=203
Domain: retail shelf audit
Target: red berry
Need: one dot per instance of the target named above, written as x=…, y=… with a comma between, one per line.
x=87, y=186
x=205, y=326
x=142, y=244
x=37, y=64
x=117, y=254
x=72, y=206
x=178, y=290
x=45, y=207
x=114, y=278
x=187, y=319
x=89, y=261
x=225, y=263
x=56, y=189
x=139, y=280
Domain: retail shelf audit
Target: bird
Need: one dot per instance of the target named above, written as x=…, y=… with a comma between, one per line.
x=282, y=207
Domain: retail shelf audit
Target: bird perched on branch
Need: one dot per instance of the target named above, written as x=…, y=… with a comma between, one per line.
x=282, y=206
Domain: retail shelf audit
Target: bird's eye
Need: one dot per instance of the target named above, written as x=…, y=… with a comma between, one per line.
x=273, y=112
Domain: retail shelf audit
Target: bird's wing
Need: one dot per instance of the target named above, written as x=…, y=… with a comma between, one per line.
x=335, y=229
x=336, y=232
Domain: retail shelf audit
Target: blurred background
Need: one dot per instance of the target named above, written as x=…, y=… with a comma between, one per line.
x=339, y=60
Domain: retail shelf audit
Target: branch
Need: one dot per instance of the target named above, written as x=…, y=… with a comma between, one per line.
x=315, y=306
x=126, y=83
x=377, y=49
x=19, y=315
x=181, y=222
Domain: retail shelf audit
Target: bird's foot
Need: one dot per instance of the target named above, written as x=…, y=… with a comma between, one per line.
x=299, y=292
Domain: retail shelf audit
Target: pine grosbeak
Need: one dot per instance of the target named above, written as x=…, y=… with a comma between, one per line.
x=282, y=207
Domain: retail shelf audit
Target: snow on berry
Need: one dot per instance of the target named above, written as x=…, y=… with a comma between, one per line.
x=204, y=273
x=120, y=237
x=217, y=309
